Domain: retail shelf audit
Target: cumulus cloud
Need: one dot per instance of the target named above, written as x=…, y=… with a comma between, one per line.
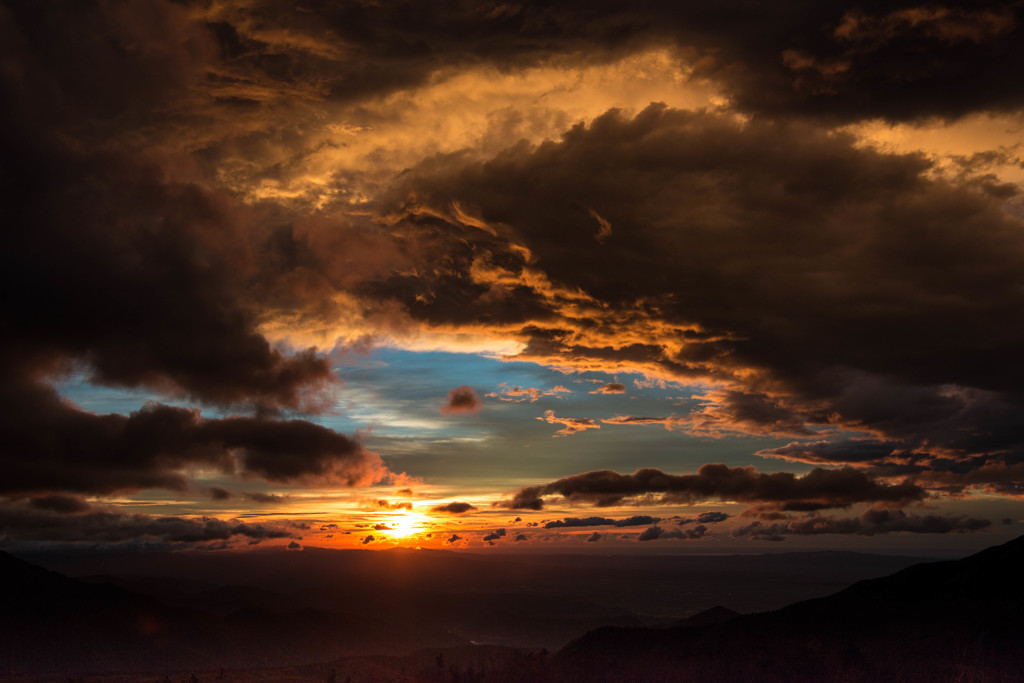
x=570, y=425
x=594, y=537
x=454, y=508
x=495, y=535
x=818, y=489
x=462, y=399
x=368, y=539
x=453, y=538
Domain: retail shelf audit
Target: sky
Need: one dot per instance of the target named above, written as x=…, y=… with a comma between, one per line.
x=591, y=276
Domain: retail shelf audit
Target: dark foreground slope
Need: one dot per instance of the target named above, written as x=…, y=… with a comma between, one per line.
x=960, y=620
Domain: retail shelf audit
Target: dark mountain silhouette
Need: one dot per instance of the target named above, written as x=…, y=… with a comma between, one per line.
x=957, y=620
x=50, y=623
x=296, y=608
x=590, y=588
x=714, y=615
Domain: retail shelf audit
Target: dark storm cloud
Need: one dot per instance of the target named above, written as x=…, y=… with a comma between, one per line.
x=292, y=450
x=22, y=524
x=117, y=276
x=462, y=399
x=742, y=412
x=578, y=521
x=843, y=60
x=219, y=493
x=870, y=523
x=849, y=452
x=656, y=532
x=454, y=508
x=154, y=446
x=61, y=503
x=817, y=489
x=122, y=267
x=260, y=497
x=822, y=284
x=139, y=280
x=638, y=520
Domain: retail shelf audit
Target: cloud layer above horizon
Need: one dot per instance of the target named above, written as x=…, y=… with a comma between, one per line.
x=778, y=247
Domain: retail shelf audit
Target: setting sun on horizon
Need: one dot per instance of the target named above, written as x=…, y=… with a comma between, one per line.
x=307, y=284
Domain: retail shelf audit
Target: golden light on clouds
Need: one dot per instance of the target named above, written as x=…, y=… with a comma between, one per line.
x=347, y=153
x=976, y=144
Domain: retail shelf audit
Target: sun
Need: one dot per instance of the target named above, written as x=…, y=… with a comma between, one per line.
x=403, y=526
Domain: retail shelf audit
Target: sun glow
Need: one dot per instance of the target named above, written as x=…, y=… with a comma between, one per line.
x=404, y=526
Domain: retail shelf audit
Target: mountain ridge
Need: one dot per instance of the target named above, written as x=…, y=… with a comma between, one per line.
x=930, y=621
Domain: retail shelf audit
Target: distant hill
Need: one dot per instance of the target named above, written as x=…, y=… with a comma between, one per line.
x=958, y=620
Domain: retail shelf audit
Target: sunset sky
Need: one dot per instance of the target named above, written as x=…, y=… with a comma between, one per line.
x=692, y=277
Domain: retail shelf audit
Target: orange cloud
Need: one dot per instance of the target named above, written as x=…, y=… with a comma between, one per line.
x=610, y=388
x=532, y=394
x=570, y=425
